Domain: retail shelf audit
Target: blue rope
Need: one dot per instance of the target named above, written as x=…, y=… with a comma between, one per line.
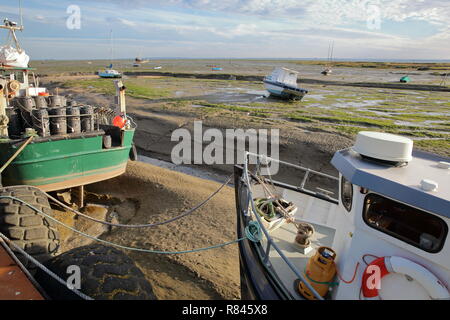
x=252, y=233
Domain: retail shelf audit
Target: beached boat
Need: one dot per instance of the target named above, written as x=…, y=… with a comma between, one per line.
x=283, y=83
x=328, y=69
x=67, y=144
x=140, y=61
x=378, y=230
x=405, y=79
x=109, y=72
x=50, y=142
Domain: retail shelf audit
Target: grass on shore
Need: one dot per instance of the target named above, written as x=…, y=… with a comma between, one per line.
x=379, y=65
x=106, y=86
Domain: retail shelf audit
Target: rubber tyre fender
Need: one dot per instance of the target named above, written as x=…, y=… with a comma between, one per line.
x=106, y=274
x=34, y=233
x=133, y=153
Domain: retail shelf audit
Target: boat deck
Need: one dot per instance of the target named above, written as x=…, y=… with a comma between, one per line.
x=284, y=239
x=319, y=214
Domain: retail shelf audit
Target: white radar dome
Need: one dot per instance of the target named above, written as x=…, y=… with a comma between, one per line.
x=384, y=146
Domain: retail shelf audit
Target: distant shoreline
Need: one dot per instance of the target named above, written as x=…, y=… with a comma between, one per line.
x=420, y=65
x=318, y=60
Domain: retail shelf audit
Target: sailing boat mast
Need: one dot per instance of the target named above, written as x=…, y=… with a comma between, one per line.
x=331, y=53
x=109, y=72
x=111, y=47
x=328, y=68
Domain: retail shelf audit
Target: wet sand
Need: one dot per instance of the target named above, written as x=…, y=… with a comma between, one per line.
x=148, y=194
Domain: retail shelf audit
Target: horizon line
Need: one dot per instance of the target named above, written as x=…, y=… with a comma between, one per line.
x=267, y=58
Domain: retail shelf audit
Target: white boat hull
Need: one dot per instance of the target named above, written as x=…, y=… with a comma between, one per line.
x=285, y=91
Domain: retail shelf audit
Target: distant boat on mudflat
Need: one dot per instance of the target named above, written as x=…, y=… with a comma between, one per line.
x=405, y=79
x=328, y=69
x=109, y=73
x=282, y=83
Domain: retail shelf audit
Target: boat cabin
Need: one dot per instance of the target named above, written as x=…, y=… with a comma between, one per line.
x=284, y=75
x=27, y=80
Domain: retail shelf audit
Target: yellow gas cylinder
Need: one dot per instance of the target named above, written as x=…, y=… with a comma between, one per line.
x=319, y=272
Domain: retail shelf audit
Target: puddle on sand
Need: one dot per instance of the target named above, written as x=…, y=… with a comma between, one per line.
x=363, y=104
x=310, y=97
x=410, y=124
x=230, y=97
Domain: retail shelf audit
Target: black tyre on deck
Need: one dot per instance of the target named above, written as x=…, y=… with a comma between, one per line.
x=28, y=229
x=106, y=274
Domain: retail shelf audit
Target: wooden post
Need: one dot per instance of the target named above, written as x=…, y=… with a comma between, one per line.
x=120, y=98
x=80, y=199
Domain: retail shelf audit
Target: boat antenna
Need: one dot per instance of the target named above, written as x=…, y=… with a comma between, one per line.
x=21, y=15
x=328, y=53
x=332, y=51
x=111, y=44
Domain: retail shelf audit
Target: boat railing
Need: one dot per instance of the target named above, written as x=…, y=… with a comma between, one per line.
x=265, y=252
x=263, y=160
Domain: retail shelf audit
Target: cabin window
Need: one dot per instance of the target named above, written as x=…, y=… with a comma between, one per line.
x=19, y=77
x=346, y=194
x=411, y=225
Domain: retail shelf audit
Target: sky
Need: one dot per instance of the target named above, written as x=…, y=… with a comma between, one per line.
x=360, y=29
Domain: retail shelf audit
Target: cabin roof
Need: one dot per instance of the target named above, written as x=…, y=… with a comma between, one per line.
x=400, y=183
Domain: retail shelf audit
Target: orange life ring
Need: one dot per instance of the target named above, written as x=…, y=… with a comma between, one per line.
x=385, y=265
x=370, y=293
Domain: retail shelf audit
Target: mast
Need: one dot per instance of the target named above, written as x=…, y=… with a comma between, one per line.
x=111, y=47
x=12, y=27
x=332, y=51
x=21, y=15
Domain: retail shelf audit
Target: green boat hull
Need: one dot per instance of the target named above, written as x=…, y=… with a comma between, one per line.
x=56, y=164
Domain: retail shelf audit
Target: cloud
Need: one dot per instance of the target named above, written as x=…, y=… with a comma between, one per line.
x=398, y=10
x=125, y=22
x=278, y=28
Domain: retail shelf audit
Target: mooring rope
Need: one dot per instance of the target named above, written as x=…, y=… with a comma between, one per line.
x=43, y=268
x=252, y=233
x=149, y=225
x=16, y=154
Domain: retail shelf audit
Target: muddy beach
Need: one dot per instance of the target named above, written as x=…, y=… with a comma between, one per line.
x=310, y=131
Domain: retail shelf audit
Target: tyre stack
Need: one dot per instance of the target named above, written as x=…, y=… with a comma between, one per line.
x=49, y=116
